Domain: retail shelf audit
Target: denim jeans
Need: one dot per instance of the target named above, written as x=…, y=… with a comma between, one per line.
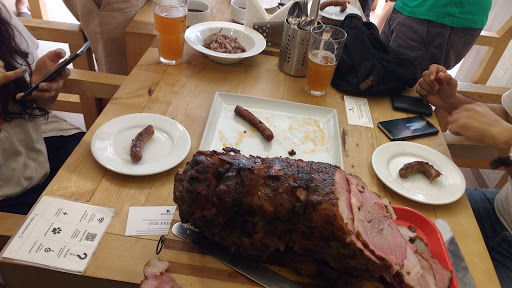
x=496, y=236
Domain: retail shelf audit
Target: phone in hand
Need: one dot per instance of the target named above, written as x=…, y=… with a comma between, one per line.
x=62, y=65
x=411, y=104
x=407, y=128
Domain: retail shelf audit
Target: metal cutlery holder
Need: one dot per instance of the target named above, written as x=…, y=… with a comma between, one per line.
x=293, y=52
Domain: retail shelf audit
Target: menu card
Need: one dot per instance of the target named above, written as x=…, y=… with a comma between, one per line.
x=150, y=220
x=59, y=234
x=358, y=111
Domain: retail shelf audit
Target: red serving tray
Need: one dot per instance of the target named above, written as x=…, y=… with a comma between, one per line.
x=428, y=231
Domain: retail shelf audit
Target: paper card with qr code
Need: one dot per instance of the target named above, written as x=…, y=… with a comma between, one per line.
x=59, y=234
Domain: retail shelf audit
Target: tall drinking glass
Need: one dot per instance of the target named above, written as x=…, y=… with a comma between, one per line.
x=324, y=53
x=170, y=23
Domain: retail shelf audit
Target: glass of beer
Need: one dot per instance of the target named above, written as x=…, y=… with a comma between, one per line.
x=170, y=23
x=323, y=55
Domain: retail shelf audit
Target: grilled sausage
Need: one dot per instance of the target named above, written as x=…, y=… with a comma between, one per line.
x=419, y=166
x=255, y=122
x=139, y=141
x=341, y=3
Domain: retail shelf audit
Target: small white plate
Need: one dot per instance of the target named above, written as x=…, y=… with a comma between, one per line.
x=110, y=144
x=388, y=158
x=333, y=12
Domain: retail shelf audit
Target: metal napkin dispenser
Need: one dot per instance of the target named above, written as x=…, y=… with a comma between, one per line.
x=271, y=31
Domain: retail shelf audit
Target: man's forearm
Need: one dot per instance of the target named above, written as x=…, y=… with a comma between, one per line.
x=461, y=100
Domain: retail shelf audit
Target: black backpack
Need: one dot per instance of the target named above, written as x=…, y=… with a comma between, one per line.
x=368, y=66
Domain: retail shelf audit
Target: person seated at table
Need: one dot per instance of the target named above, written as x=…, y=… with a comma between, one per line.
x=28, y=161
x=435, y=31
x=490, y=124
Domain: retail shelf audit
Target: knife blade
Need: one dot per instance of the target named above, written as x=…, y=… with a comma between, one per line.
x=459, y=264
x=257, y=272
x=315, y=7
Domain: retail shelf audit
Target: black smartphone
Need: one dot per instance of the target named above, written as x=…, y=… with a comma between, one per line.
x=62, y=65
x=411, y=104
x=407, y=128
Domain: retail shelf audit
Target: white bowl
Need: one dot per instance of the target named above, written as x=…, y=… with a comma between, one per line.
x=237, y=10
x=268, y=4
x=197, y=17
x=253, y=42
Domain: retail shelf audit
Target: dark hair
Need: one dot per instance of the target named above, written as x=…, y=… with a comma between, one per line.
x=13, y=57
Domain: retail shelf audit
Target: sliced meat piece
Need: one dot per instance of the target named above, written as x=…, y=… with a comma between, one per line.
x=157, y=275
x=443, y=277
x=374, y=224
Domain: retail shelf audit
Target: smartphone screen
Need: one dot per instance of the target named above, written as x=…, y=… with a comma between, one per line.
x=407, y=128
x=411, y=104
x=62, y=65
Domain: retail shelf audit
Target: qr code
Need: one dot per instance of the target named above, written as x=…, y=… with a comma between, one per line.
x=90, y=237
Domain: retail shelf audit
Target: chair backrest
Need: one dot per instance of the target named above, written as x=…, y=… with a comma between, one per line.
x=87, y=88
x=497, y=43
x=61, y=32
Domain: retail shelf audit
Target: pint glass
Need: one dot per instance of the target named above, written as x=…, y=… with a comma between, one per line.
x=170, y=24
x=323, y=55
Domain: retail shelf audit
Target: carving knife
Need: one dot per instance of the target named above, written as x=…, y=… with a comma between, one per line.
x=459, y=264
x=257, y=272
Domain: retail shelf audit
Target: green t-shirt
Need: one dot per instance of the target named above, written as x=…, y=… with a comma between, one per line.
x=455, y=13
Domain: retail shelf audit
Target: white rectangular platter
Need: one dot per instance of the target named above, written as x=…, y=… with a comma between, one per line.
x=311, y=131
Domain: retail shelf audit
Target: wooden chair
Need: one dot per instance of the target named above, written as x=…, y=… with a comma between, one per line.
x=38, y=9
x=467, y=153
x=90, y=86
x=497, y=44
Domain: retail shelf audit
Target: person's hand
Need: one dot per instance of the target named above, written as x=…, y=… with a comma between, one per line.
x=438, y=88
x=43, y=66
x=477, y=122
x=11, y=75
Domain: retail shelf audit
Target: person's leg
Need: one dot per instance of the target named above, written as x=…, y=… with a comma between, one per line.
x=23, y=9
x=407, y=34
x=460, y=41
x=496, y=236
x=59, y=148
x=366, y=6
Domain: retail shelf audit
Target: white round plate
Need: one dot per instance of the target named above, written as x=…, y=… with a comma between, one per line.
x=333, y=12
x=110, y=144
x=253, y=42
x=267, y=4
x=388, y=158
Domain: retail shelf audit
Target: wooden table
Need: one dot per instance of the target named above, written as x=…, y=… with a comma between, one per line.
x=141, y=32
x=185, y=93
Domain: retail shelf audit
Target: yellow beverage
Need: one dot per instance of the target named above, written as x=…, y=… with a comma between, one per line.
x=321, y=65
x=171, y=32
